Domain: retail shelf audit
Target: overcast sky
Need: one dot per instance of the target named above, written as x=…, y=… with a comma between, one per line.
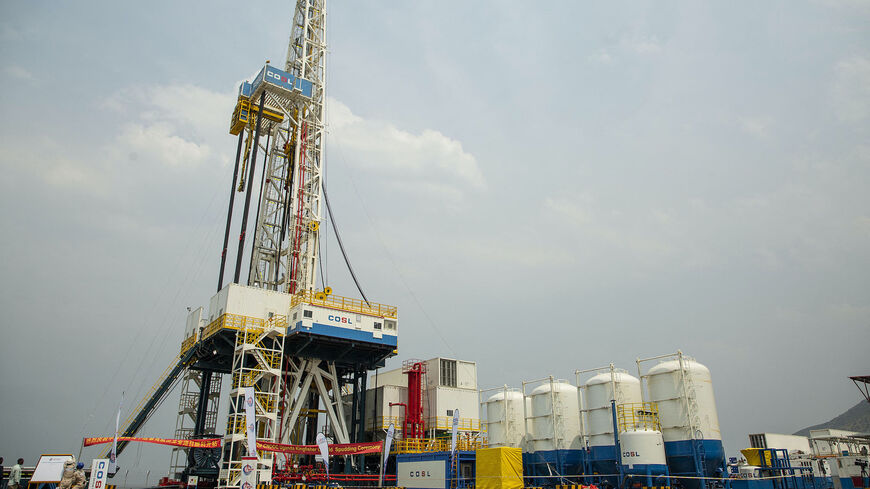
x=538, y=187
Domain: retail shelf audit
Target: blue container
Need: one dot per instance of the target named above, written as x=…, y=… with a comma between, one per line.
x=423, y=470
x=681, y=458
x=602, y=462
x=646, y=475
x=549, y=468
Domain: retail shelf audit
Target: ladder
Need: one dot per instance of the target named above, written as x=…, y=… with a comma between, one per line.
x=454, y=470
x=694, y=421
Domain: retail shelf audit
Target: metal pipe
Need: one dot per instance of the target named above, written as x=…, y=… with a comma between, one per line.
x=260, y=200
x=250, y=189
x=230, y=212
x=616, y=442
x=202, y=403
x=405, y=418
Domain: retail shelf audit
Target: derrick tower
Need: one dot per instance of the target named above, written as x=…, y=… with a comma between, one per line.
x=301, y=348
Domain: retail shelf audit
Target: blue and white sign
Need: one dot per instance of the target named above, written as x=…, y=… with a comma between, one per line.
x=99, y=473
x=284, y=80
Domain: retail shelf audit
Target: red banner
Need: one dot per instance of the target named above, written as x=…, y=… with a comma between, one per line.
x=335, y=449
x=202, y=443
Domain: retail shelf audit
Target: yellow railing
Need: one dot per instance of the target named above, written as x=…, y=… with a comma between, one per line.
x=268, y=402
x=444, y=423
x=383, y=422
x=188, y=343
x=422, y=445
x=345, y=304
x=248, y=379
x=236, y=425
x=242, y=323
x=638, y=416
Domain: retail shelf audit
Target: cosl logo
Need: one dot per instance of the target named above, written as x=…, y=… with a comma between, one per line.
x=339, y=319
x=272, y=74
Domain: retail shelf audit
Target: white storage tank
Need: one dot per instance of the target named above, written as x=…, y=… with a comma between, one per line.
x=554, y=420
x=618, y=385
x=642, y=448
x=505, y=418
x=683, y=390
x=666, y=388
x=614, y=384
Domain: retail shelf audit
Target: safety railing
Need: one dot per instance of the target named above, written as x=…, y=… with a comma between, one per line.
x=424, y=445
x=188, y=343
x=446, y=423
x=242, y=323
x=344, y=303
x=383, y=423
x=638, y=416
x=443, y=423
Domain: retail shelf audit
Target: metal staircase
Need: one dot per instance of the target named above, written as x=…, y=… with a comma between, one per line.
x=257, y=361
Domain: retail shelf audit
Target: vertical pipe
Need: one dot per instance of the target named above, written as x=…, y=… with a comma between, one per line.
x=259, y=202
x=353, y=408
x=616, y=442
x=250, y=189
x=361, y=418
x=230, y=212
x=202, y=403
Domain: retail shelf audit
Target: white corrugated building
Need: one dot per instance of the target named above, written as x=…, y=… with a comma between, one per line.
x=449, y=384
x=792, y=443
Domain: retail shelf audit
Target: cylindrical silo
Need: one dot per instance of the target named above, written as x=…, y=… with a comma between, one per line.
x=505, y=419
x=615, y=385
x=554, y=431
x=555, y=417
x=683, y=390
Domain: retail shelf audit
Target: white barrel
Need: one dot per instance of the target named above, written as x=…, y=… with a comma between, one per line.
x=642, y=447
x=554, y=423
x=600, y=389
x=684, y=399
x=505, y=419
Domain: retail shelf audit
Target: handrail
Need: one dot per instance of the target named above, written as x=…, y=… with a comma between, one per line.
x=424, y=445
x=444, y=423
x=638, y=415
x=344, y=303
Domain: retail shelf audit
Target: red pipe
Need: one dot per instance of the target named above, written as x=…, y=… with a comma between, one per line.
x=405, y=420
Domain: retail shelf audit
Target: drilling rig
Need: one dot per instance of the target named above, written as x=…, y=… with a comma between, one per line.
x=304, y=350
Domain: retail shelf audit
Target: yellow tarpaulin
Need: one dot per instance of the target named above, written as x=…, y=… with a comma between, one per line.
x=499, y=468
x=753, y=456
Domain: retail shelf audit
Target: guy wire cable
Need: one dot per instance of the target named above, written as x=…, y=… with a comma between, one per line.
x=341, y=245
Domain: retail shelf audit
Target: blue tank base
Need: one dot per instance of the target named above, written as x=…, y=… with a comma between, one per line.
x=550, y=468
x=646, y=476
x=682, y=459
x=603, y=466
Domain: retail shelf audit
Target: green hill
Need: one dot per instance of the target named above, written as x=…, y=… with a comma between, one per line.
x=856, y=418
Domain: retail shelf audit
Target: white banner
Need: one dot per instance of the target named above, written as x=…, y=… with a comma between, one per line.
x=250, y=420
x=249, y=473
x=391, y=432
x=113, y=455
x=324, y=451
x=455, y=426
x=99, y=473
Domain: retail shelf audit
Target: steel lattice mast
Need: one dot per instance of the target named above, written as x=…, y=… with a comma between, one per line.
x=285, y=250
